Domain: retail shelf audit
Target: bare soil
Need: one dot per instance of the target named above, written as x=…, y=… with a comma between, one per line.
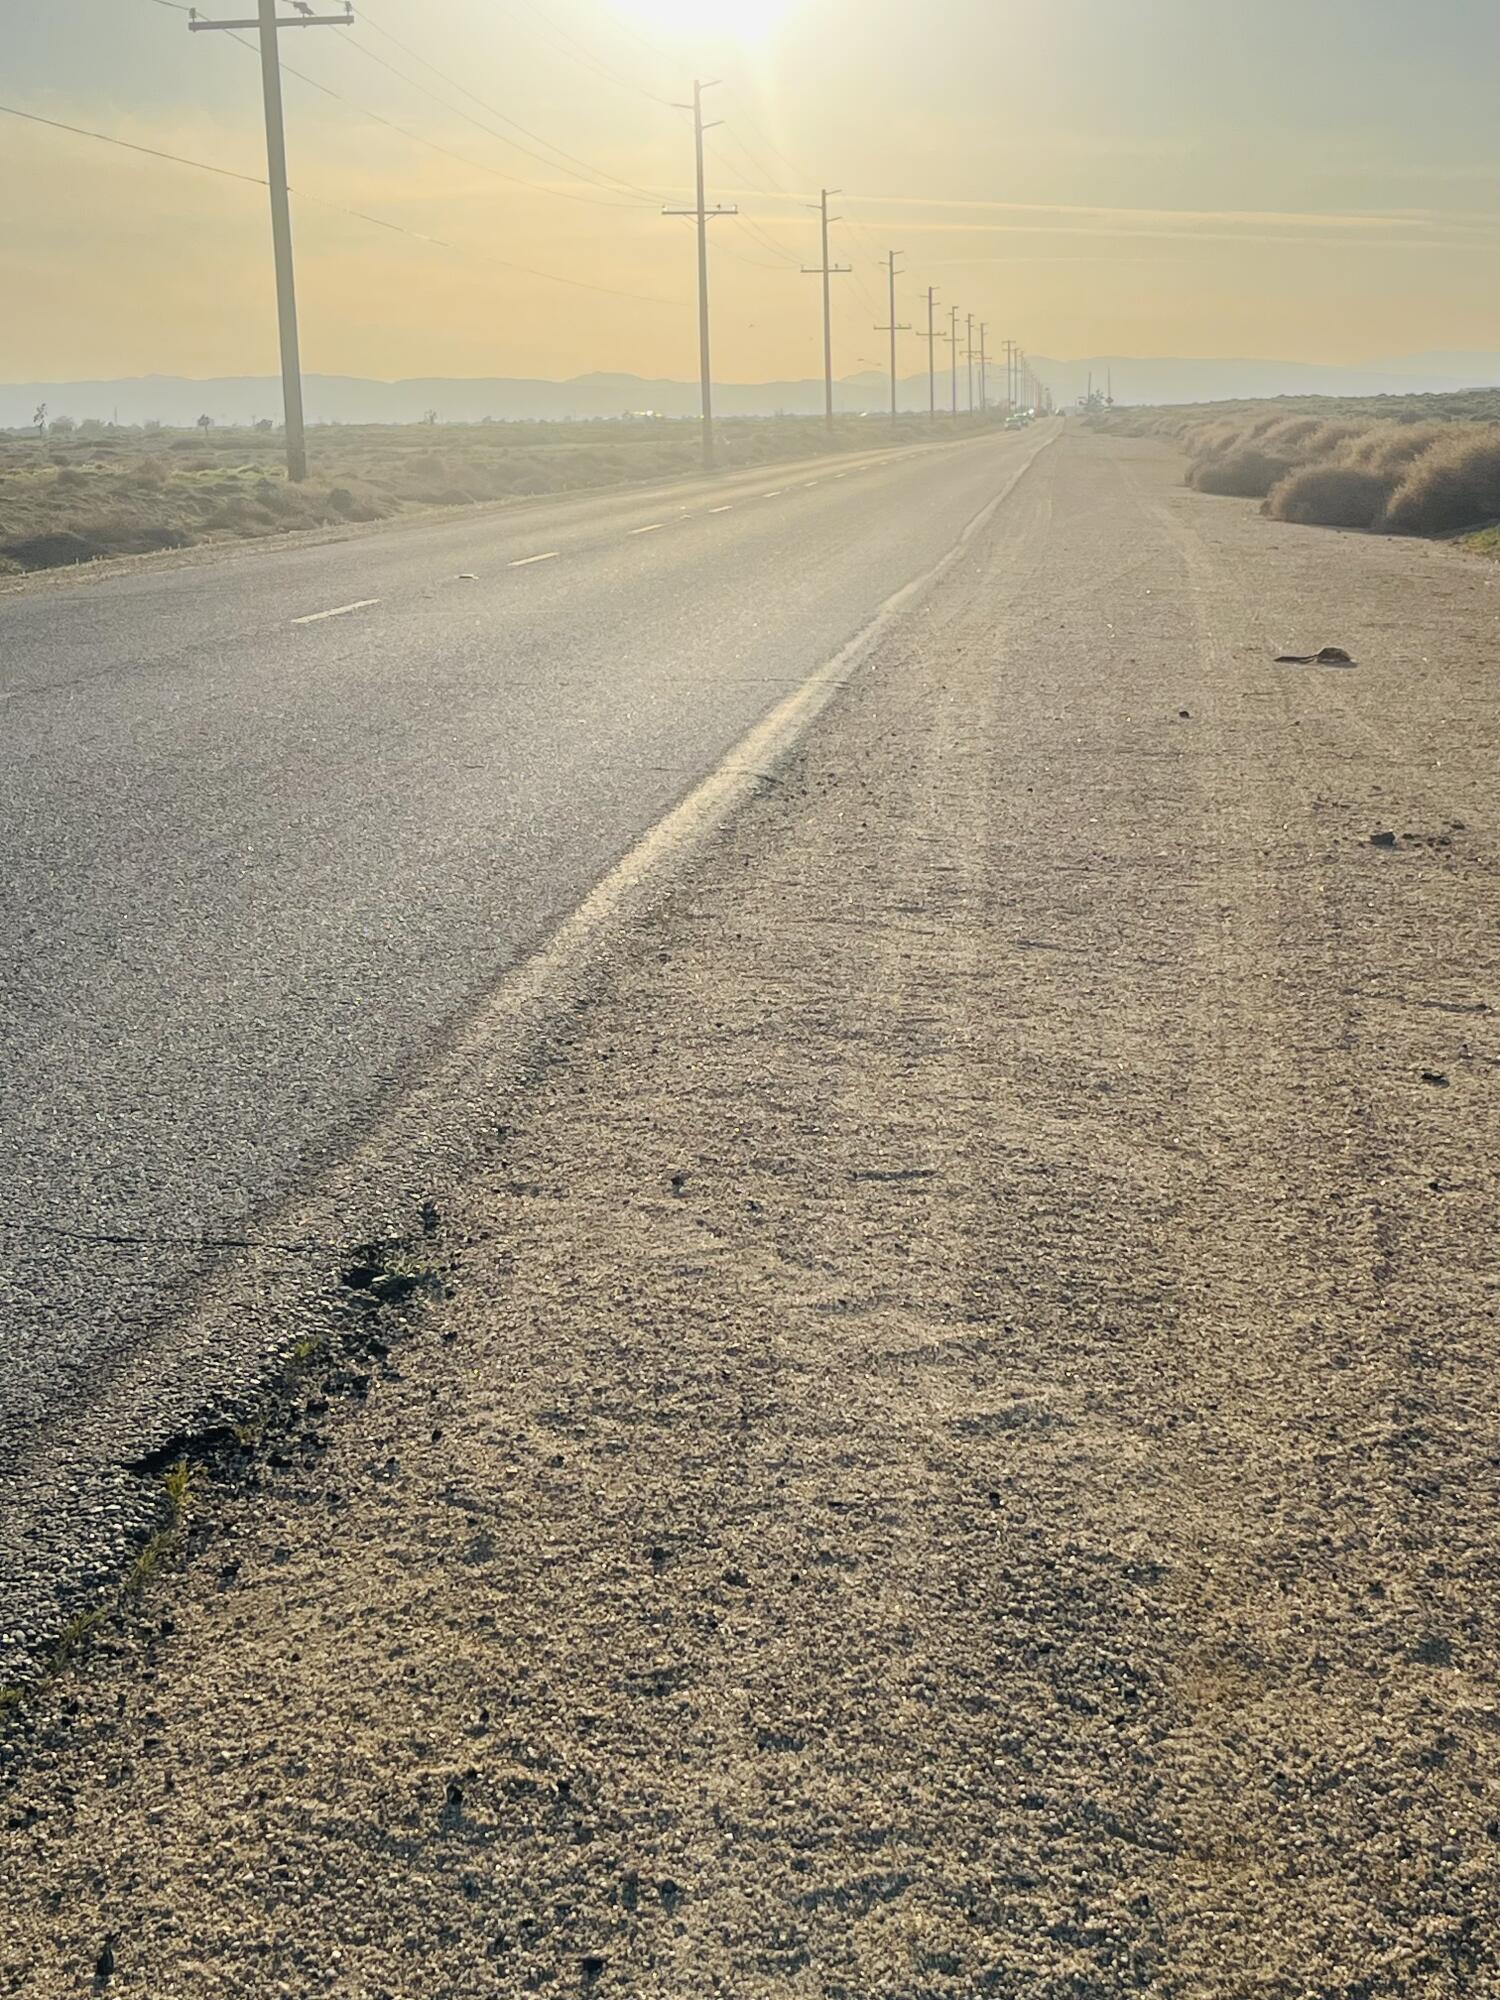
x=962, y=1456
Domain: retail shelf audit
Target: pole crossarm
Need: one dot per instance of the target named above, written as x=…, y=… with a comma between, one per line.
x=198, y=26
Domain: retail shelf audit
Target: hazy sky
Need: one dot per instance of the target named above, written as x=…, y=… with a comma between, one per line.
x=1307, y=179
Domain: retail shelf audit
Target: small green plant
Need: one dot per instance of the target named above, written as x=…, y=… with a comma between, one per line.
x=150, y=1560
x=178, y=1482
x=74, y=1634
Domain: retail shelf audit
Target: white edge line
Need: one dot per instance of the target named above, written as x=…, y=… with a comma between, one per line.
x=338, y=611
x=496, y=1053
x=521, y=562
x=637, y=880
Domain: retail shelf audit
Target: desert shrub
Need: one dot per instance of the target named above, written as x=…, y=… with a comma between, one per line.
x=1330, y=496
x=1208, y=441
x=1454, y=484
x=52, y=551
x=1247, y=474
x=1290, y=434
x=1326, y=440
x=1391, y=447
x=240, y=516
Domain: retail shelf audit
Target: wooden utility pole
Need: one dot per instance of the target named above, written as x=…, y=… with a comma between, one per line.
x=268, y=25
x=932, y=340
x=895, y=326
x=984, y=380
x=826, y=271
x=952, y=337
x=970, y=320
x=704, y=215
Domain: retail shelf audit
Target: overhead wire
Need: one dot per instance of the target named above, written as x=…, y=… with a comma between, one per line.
x=575, y=50
x=207, y=167
x=322, y=201
x=433, y=145
x=580, y=168
x=539, y=187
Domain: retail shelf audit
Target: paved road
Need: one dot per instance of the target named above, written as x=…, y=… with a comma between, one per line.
x=271, y=820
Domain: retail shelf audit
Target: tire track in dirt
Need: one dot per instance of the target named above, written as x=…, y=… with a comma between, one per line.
x=962, y=1456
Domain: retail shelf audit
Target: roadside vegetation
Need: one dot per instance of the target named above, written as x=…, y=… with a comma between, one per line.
x=1395, y=465
x=75, y=493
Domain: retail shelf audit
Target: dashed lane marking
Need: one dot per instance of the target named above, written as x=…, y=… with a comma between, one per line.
x=338, y=611
x=522, y=562
x=722, y=510
x=651, y=530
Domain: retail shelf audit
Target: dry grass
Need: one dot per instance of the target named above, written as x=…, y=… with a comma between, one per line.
x=1455, y=484
x=99, y=491
x=1330, y=496
x=1410, y=466
x=1389, y=447
x=1245, y=473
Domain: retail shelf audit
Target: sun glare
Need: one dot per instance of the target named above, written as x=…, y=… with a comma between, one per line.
x=737, y=20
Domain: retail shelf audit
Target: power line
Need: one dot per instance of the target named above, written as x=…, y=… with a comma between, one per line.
x=759, y=263
x=322, y=201
x=770, y=144
x=596, y=176
x=769, y=182
x=225, y=173
x=129, y=145
x=574, y=49
x=418, y=138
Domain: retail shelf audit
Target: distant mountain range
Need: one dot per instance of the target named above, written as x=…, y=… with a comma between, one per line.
x=349, y=399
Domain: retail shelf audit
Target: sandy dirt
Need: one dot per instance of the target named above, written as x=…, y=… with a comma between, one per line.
x=962, y=1457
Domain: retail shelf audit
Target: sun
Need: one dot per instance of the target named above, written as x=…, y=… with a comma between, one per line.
x=708, y=20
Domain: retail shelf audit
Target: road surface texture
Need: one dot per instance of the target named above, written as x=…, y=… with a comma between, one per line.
x=962, y=1453
x=273, y=820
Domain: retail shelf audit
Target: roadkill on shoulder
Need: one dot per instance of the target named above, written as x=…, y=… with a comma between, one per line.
x=1326, y=656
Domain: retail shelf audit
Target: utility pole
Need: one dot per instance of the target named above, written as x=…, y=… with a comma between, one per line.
x=268, y=24
x=984, y=380
x=932, y=341
x=1010, y=375
x=970, y=318
x=825, y=270
x=704, y=215
x=895, y=327
x=953, y=344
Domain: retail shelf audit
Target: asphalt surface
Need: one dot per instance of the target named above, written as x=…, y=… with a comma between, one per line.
x=959, y=1453
x=273, y=819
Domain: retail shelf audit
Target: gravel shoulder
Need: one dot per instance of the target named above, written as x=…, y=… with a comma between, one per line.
x=961, y=1452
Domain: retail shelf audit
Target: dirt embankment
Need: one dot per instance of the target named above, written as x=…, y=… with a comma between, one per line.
x=962, y=1458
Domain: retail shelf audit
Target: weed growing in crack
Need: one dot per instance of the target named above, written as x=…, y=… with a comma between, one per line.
x=75, y=1634
x=178, y=1484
